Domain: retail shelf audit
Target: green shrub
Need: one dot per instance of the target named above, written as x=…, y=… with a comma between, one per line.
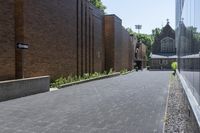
x=105, y=73
x=62, y=80
x=59, y=82
x=174, y=66
x=124, y=71
x=86, y=76
x=110, y=71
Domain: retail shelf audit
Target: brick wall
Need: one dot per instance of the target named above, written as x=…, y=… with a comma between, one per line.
x=119, y=48
x=109, y=41
x=7, y=39
x=65, y=38
x=50, y=27
x=99, y=55
x=132, y=48
x=113, y=42
x=125, y=49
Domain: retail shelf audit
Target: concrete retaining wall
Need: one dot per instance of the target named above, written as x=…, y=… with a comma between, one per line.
x=23, y=87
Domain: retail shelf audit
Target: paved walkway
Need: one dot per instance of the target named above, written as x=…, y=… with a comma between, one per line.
x=134, y=103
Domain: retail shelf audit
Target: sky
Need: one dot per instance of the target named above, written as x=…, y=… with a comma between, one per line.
x=148, y=13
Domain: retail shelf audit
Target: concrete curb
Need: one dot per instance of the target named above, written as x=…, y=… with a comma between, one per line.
x=89, y=80
x=128, y=72
x=167, y=103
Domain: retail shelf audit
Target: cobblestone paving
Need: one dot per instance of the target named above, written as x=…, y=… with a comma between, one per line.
x=133, y=103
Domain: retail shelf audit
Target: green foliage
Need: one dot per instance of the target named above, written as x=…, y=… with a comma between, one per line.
x=105, y=73
x=155, y=35
x=86, y=76
x=70, y=79
x=59, y=82
x=96, y=74
x=110, y=71
x=144, y=38
x=174, y=65
x=123, y=71
x=98, y=4
x=156, y=32
x=147, y=40
x=130, y=31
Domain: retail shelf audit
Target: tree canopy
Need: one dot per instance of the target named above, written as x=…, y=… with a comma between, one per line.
x=155, y=33
x=130, y=31
x=98, y=4
x=147, y=40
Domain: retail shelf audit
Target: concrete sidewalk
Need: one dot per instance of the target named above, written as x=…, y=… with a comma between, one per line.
x=133, y=103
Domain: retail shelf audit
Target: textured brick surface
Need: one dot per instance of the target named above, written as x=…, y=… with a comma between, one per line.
x=50, y=29
x=99, y=55
x=117, y=44
x=7, y=39
x=109, y=41
x=122, y=104
x=125, y=49
x=65, y=38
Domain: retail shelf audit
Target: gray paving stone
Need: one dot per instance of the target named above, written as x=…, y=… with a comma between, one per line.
x=133, y=103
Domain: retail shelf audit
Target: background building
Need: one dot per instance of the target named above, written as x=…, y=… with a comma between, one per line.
x=188, y=46
x=164, y=50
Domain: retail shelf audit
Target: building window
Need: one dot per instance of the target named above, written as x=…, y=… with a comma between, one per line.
x=167, y=45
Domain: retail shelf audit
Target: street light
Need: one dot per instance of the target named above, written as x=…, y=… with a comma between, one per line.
x=138, y=27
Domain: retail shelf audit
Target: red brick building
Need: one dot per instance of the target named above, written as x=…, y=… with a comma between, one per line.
x=65, y=38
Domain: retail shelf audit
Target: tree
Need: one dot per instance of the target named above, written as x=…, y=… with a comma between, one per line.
x=144, y=38
x=155, y=33
x=98, y=4
x=130, y=31
x=147, y=40
x=155, y=36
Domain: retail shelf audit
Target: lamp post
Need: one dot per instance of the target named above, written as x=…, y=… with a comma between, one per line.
x=138, y=27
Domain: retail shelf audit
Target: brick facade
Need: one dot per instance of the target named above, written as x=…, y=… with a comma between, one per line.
x=7, y=39
x=64, y=37
x=118, y=44
x=51, y=31
x=126, y=49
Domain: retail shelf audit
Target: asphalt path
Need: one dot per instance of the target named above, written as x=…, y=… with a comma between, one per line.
x=133, y=103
